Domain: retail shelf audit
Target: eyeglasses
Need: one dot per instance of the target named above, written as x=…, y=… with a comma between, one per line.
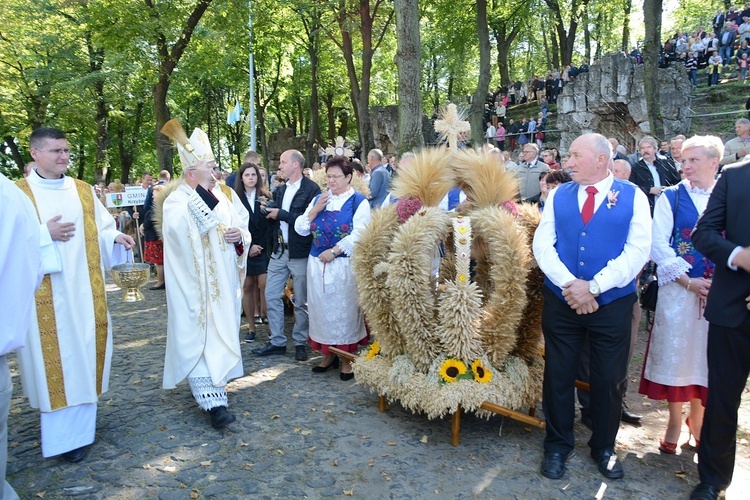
x=334, y=176
x=58, y=151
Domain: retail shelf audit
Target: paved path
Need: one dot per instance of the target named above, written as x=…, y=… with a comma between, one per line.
x=300, y=434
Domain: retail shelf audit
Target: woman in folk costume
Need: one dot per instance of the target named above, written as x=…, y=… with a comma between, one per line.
x=676, y=366
x=205, y=251
x=335, y=219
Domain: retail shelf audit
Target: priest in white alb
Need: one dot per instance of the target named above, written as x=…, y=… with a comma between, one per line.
x=205, y=250
x=66, y=362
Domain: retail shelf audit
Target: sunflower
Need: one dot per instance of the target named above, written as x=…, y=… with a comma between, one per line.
x=481, y=374
x=451, y=369
x=374, y=350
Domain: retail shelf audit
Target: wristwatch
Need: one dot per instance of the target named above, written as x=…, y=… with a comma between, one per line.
x=594, y=288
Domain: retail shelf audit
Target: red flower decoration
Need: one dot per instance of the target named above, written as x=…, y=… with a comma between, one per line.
x=686, y=233
x=690, y=259
x=407, y=207
x=510, y=207
x=344, y=228
x=313, y=226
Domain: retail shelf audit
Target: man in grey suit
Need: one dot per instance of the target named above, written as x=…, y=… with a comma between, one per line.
x=379, y=178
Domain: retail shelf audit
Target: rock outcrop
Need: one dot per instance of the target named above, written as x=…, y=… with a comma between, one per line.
x=610, y=99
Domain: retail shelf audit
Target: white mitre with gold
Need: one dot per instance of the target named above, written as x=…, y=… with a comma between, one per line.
x=201, y=150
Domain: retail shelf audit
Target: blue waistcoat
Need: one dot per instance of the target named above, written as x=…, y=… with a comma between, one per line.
x=586, y=250
x=454, y=198
x=329, y=227
x=682, y=243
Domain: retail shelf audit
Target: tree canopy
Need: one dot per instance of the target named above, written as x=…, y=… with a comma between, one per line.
x=110, y=72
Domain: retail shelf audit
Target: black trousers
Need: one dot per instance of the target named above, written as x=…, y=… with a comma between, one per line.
x=564, y=331
x=584, y=375
x=728, y=369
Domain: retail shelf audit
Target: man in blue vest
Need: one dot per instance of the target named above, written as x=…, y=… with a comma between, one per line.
x=593, y=239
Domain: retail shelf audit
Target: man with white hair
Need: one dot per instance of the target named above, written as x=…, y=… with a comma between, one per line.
x=737, y=149
x=675, y=149
x=529, y=170
x=593, y=239
x=621, y=169
x=205, y=250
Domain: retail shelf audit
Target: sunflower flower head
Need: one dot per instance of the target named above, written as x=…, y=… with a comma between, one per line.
x=374, y=350
x=481, y=374
x=452, y=369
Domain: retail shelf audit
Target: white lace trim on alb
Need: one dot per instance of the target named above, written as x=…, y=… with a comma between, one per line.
x=204, y=218
x=672, y=269
x=206, y=394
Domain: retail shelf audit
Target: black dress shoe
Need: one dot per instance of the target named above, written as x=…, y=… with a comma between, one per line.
x=346, y=376
x=157, y=287
x=705, y=491
x=608, y=465
x=323, y=369
x=220, y=417
x=586, y=420
x=75, y=456
x=270, y=349
x=258, y=321
x=300, y=353
x=553, y=465
x=629, y=417
x=250, y=337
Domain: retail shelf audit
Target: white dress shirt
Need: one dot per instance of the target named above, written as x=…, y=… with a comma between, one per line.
x=286, y=203
x=619, y=271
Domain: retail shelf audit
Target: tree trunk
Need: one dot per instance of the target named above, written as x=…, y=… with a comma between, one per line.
x=408, y=58
x=330, y=115
x=586, y=36
x=162, y=116
x=566, y=39
x=311, y=152
x=555, y=47
x=10, y=143
x=359, y=86
x=652, y=11
x=169, y=56
x=476, y=116
x=626, y=26
x=547, y=55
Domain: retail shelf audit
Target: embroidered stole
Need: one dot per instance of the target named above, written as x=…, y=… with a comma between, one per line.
x=227, y=191
x=45, y=306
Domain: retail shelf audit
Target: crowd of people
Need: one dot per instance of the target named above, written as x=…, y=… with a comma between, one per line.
x=725, y=45
x=231, y=245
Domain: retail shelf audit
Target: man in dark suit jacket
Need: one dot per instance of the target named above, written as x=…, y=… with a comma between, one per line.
x=290, y=252
x=723, y=236
x=652, y=174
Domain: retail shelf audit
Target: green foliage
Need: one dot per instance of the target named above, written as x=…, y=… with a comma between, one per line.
x=59, y=60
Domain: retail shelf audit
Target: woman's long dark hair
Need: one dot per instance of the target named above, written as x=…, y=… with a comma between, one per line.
x=260, y=187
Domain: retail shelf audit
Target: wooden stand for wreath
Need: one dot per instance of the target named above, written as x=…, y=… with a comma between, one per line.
x=529, y=419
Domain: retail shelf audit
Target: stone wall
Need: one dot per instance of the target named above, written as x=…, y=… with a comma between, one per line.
x=610, y=99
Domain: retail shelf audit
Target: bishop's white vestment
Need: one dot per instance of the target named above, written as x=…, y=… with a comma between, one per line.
x=203, y=275
x=66, y=362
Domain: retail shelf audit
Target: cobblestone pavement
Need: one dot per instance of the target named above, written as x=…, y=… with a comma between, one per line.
x=300, y=434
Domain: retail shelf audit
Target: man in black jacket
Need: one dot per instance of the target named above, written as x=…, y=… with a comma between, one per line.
x=290, y=253
x=652, y=174
x=723, y=236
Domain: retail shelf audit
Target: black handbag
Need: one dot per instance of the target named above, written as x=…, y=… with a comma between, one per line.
x=650, y=282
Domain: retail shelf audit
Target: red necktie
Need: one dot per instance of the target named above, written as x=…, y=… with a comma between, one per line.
x=588, y=205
